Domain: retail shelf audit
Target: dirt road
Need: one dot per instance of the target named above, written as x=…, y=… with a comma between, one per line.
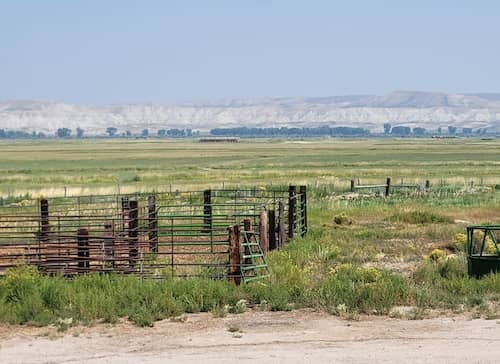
x=261, y=337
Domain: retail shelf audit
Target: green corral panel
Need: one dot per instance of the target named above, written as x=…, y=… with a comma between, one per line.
x=483, y=253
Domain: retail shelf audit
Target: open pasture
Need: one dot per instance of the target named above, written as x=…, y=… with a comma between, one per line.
x=363, y=253
x=110, y=166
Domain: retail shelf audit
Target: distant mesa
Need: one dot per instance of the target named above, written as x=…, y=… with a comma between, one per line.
x=414, y=109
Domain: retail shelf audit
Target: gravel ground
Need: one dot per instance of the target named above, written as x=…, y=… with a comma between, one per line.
x=261, y=337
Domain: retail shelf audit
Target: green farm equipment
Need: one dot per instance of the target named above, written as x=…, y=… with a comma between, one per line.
x=483, y=252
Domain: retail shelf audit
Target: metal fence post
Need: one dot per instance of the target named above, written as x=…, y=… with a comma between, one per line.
x=281, y=225
x=44, y=228
x=207, y=210
x=303, y=209
x=292, y=206
x=271, y=215
x=152, y=224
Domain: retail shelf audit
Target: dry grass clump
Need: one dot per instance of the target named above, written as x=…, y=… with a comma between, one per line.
x=419, y=217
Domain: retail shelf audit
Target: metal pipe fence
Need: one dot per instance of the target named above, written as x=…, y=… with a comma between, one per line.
x=177, y=234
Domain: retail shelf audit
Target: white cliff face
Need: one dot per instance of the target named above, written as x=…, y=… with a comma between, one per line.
x=428, y=110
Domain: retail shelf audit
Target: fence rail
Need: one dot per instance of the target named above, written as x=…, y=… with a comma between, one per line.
x=388, y=186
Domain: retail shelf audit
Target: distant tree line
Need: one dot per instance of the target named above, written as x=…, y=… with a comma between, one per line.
x=177, y=133
x=20, y=134
x=245, y=132
x=111, y=132
x=418, y=131
x=289, y=132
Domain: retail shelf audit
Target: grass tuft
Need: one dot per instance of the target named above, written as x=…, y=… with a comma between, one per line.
x=419, y=217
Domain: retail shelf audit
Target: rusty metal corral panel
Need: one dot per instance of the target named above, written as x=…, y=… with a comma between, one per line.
x=154, y=235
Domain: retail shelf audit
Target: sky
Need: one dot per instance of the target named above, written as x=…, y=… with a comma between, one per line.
x=117, y=51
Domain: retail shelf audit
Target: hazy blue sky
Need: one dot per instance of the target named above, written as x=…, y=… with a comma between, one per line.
x=108, y=51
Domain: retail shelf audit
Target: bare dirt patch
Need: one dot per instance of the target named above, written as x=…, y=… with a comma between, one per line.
x=271, y=337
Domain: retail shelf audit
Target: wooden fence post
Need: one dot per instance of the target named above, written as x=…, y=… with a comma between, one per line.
x=44, y=228
x=83, y=250
x=234, y=274
x=292, y=205
x=427, y=185
x=352, y=185
x=207, y=211
x=264, y=231
x=272, y=229
x=303, y=209
x=388, y=187
x=125, y=213
x=109, y=242
x=133, y=225
x=152, y=224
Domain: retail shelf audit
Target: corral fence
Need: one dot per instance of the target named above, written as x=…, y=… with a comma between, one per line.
x=179, y=234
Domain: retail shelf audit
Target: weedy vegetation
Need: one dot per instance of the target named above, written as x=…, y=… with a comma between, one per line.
x=364, y=254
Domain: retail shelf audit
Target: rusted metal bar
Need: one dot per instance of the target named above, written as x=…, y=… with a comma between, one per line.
x=207, y=210
x=133, y=224
x=153, y=224
x=44, y=229
x=83, y=250
x=44, y=220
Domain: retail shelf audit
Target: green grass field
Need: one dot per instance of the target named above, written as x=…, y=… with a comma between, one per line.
x=363, y=254
x=104, y=166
